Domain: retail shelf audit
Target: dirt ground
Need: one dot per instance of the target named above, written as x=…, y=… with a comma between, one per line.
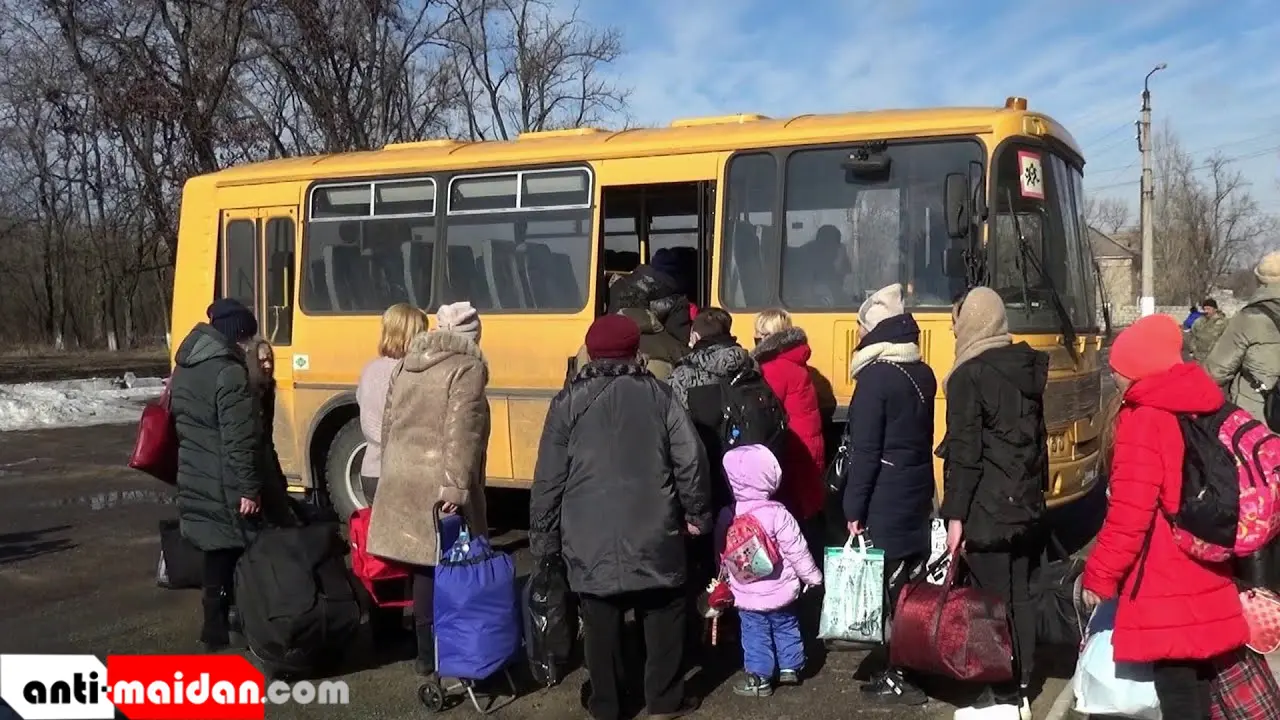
x=46, y=365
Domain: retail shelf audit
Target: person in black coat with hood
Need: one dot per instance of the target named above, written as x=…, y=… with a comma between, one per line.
x=217, y=420
x=659, y=287
x=996, y=472
x=888, y=493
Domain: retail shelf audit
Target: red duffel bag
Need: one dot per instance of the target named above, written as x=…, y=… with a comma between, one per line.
x=156, y=450
x=949, y=631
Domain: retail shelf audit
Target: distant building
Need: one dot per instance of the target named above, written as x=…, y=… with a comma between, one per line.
x=1119, y=267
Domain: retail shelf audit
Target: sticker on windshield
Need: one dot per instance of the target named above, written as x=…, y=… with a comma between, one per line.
x=1030, y=175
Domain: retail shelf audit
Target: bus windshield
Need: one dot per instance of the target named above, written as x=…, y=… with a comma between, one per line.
x=847, y=235
x=1039, y=254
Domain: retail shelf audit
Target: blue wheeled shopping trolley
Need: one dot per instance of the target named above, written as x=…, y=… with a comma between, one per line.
x=476, y=616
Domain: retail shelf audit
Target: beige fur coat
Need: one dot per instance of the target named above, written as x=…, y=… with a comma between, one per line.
x=435, y=432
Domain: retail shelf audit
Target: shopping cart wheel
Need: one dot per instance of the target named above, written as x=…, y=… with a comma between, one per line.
x=431, y=695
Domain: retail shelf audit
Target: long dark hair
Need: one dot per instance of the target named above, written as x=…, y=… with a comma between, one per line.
x=261, y=383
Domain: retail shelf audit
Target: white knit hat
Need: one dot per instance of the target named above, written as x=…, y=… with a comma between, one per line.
x=1268, y=270
x=459, y=318
x=883, y=303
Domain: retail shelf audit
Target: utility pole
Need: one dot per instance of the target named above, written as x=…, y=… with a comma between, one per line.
x=1147, y=305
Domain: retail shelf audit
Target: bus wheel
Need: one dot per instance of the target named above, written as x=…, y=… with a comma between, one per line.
x=342, y=470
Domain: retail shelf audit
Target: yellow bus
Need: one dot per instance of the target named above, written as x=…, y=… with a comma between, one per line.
x=810, y=213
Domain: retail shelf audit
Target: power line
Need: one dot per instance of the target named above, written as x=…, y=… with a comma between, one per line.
x=1199, y=151
x=1112, y=133
x=1206, y=166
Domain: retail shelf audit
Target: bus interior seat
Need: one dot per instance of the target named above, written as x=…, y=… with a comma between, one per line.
x=418, y=258
x=318, y=287
x=530, y=277
x=480, y=283
x=539, y=274
x=621, y=261
x=566, y=281
x=748, y=262
x=503, y=274
x=464, y=278
x=384, y=278
x=337, y=258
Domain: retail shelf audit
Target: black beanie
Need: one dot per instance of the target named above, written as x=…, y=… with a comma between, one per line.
x=231, y=318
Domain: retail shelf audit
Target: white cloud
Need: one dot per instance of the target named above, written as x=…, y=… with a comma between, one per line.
x=1082, y=63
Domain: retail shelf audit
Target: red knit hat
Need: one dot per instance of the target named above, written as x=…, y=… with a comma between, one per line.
x=1147, y=347
x=613, y=337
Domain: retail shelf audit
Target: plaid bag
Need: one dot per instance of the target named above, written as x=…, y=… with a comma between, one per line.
x=1244, y=688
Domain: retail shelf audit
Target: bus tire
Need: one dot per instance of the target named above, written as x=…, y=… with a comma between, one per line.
x=342, y=470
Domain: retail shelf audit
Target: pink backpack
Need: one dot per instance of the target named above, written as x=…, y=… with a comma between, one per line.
x=749, y=553
x=1230, y=486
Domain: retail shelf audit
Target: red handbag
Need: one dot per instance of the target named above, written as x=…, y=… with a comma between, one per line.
x=155, y=452
x=956, y=632
x=1262, y=612
x=387, y=581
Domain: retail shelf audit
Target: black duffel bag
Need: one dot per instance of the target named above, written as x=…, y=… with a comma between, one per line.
x=181, y=564
x=301, y=609
x=1055, y=591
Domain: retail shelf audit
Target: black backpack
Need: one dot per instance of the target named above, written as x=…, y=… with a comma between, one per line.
x=301, y=609
x=1270, y=395
x=752, y=413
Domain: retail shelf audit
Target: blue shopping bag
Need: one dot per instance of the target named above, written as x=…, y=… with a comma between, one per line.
x=477, y=609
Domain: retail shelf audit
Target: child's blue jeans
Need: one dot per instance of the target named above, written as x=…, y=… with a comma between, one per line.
x=771, y=641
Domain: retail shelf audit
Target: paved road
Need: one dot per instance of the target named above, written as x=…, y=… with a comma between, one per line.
x=78, y=546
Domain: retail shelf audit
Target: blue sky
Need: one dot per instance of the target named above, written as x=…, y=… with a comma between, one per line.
x=1082, y=62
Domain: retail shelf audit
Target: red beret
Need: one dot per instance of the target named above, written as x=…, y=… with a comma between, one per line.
x=613, y=337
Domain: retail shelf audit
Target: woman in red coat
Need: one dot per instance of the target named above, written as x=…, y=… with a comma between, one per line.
x=1184, y=614
x=783, y=353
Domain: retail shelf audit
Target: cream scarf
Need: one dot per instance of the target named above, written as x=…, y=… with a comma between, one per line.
x=886, y=351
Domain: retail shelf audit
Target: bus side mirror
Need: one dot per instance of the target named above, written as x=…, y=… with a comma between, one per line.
x=958, y=203
x=954, y=263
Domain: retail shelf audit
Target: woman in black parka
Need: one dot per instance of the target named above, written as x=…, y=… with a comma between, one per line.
x=889, y=475
x=217, y=420
x=996, y=472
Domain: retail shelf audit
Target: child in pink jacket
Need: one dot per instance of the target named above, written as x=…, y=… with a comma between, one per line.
x=771, y=638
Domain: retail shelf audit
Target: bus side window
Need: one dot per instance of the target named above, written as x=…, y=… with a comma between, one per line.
x=240, y=251
x=280, y=280
x=749, y=261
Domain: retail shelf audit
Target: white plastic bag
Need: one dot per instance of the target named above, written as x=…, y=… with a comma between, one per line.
x=853, y=594
x=1104, y=687
x=939, y=558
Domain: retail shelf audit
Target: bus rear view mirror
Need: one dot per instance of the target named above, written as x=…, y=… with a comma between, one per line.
x=955, y=264
x=959, y=206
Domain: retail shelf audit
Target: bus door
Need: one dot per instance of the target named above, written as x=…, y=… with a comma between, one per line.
x=257, y=266
x=657, y=205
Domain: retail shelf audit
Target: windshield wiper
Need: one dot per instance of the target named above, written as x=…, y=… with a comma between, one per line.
x=1064, y=317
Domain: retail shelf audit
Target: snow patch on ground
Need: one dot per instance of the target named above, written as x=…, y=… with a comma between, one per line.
x=76, y=403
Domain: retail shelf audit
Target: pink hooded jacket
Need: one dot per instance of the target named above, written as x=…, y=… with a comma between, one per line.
x=754, y=475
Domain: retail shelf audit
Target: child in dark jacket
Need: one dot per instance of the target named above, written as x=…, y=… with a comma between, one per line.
x=996, y=472
x=771, y=639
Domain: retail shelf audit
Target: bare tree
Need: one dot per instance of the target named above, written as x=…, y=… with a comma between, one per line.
x=1206, y=221
x=365, y=73
x=523, y=68
x=1109, y=214
x=107, y=107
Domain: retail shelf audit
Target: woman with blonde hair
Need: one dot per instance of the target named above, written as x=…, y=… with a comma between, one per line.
x=400, y=324
x=782, y=350
x=437, y=432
